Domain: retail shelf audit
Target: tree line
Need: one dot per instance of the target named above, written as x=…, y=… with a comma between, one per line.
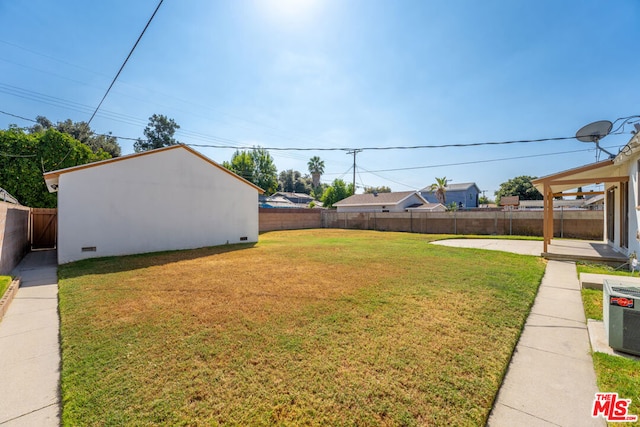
x=26, y=153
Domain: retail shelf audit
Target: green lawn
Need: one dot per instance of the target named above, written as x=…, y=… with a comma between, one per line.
x=5, y=281
x=309, y=327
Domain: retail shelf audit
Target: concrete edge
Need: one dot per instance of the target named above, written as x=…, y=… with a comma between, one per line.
x=11, y=291
x=595, y=281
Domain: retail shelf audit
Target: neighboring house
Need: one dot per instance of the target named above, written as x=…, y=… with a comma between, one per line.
x=274, y=202
x=466, y=194
x=164, y=199
x=288, y=200
x=387, y=202
x=621, y=177
x=296, y=198
x=592, y=203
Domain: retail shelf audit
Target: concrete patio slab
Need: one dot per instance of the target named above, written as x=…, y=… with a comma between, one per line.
x=522, y=247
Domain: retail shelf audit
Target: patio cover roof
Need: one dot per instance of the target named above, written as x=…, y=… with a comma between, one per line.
x=554, y=185
x=594, y=173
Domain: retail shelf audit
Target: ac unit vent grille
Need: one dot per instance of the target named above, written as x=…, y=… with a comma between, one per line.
x=631, y=330
x=631, y=291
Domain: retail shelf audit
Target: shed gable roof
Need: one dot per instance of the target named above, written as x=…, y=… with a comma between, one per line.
x=51, y=178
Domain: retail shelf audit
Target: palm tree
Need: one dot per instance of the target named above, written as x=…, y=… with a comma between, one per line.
x=440, y=189
x=316, y=169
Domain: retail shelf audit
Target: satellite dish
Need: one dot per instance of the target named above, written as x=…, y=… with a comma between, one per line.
x=594, y=132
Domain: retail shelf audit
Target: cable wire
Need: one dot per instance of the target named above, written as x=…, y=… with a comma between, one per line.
x=125, y=61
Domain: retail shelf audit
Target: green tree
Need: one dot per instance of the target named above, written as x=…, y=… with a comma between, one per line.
x=82, y=132
x=317, y=192
x=292, y=181
x=580, y=196
x=483, y=200
x=241, y=164
x=255, y=166
x=520, y=186
x=266, y=173
x=338, y=190
x=316, y=169
x=439, y=188
x=159, y=133
x=382, y=189
x=26, y=156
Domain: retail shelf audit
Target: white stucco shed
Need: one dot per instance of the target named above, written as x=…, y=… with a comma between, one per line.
x=164, y=199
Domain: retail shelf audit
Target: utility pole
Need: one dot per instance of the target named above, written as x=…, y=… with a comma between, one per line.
x=354, y=152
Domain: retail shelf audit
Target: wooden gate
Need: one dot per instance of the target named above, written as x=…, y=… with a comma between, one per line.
x=44, y=228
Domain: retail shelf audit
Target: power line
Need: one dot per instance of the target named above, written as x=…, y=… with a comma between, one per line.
x=398, y=147
x=125, y=61
x=17, y=116
x=479, y=161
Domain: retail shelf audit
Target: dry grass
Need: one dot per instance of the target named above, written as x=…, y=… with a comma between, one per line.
x=315, y=327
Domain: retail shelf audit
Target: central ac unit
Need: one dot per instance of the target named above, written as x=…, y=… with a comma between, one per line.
x=621, y=307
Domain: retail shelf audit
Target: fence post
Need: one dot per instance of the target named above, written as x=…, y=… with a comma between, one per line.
x=561, y=221
x=455, y=223
x=411, y=220
x=510, y=220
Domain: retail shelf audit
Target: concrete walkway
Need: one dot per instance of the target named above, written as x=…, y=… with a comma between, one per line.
x=550, y=380
x=29, y=347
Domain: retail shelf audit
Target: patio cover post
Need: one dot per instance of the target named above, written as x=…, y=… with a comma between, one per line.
x=547, y=219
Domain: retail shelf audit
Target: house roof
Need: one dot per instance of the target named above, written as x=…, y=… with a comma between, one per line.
x=378, y=199
x=6, y=197
x=427, y=207
x=52, y=177
x=294, y=195
x=454, y=187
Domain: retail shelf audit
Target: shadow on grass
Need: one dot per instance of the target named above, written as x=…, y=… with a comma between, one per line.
x=117, y=264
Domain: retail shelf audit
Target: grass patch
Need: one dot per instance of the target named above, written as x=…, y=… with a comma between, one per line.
x=592, y=302
x=308, y=327
x=5, y=281
x=593, y=268
x=621, y=375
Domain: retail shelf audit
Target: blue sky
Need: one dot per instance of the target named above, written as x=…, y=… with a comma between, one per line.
x=334, y=74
